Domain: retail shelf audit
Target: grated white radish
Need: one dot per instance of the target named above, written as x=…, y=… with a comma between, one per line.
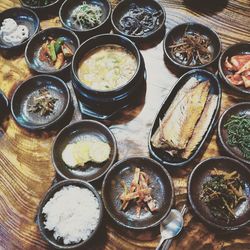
x=72, y=213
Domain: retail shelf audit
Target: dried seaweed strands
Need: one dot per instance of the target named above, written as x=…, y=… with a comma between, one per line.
x=43, y=103
x=238, y=129
x=38, y=2
x=138, y=21
x=223, y=193
x=192, y=49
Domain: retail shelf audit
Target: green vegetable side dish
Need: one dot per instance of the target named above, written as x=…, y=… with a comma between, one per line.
x=87, y=16
x=238, y=129
x=36, y=3
x=222, y=194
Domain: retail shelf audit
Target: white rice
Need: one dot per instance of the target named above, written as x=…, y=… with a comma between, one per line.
x=72, y=213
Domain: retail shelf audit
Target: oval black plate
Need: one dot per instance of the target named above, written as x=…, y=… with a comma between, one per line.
x=23, y=97
x=162, y=191
x=200, y=174
x=159, y=154
x=22, y=16
x=177, y=32
x=238, y=109
x=48, y=235
x=236, y=49
x=4, y=104
x=86, y=129
x=122, y=8
x=33, y=46
x=65, y=16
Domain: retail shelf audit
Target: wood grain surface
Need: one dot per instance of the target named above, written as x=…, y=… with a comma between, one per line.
x=26, y=171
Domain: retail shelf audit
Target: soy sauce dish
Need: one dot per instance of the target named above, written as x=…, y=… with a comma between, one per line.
x=138, y=20
x=233, y=131
x=108, y=73
x=84, y=150
x=191, y=46
x=219, y=193
x=86, y=19
x=70, y=214
x=51, y=51
x=41, y=103
x=120, y=197
x=189, y=112
x=17, y=26
x=234, y=67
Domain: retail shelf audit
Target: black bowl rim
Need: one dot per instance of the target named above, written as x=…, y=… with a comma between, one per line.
x=48, y=195
x=153, y=162
x=144, y=36
x=192, y=157
x=204, y=219
x=38, y=7
x=187, y=67
x=53, y=122
x=223, y=143
x=221, y=72
x=38, y=34
x=89, y=30
x=138, y=58
x=84, y=122
x=30, y=37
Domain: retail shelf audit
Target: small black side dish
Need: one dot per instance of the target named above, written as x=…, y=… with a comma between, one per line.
x=23, y=97
x=65, y=16
x=22, y=16
x=4, y=106
x=32, y=51
x=201, y=174
x=236, y=49
x=159, y=154
x=48, y=235
x=178, y=31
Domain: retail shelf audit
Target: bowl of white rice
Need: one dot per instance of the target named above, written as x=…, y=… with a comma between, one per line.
x=70, y=214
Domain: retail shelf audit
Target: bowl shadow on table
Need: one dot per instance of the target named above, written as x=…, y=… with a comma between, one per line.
x=206, y=6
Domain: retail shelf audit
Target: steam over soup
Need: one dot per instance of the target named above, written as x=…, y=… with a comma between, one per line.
x=107, y=67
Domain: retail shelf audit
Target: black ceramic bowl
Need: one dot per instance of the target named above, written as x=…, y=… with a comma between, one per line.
x=236, y=49
x=215, y=89
x=65, y=16
x=23, y=97
x=123, y=7
x=4, y=106
x=32, y=50
x=86, y=129
x=104, y=104
x=22, y=16
x=46, y=11
x=178, y=31
x=201, y=174
x=238, y=109
x=48, y=235
x=162, y=191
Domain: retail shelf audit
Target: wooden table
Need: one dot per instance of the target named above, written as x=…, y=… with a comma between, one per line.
x=26, y=170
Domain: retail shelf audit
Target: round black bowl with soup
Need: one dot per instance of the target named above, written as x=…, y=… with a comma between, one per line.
x=240, y=110
x=96, y=95
x=48, y=235
x=23, y=101
x=122, y=15
x=44, y=8
x=68, y=7
x=21, y=16
x=201, y=174
x=34, y=47
x=235, y=50
x=176, y=33
x=86, y=130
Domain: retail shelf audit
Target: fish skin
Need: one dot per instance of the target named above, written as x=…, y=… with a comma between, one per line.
x=157, y=140
x=178, y=129
x=201, y=127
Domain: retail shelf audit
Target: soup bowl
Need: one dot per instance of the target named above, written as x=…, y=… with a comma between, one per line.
x=103, y=104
